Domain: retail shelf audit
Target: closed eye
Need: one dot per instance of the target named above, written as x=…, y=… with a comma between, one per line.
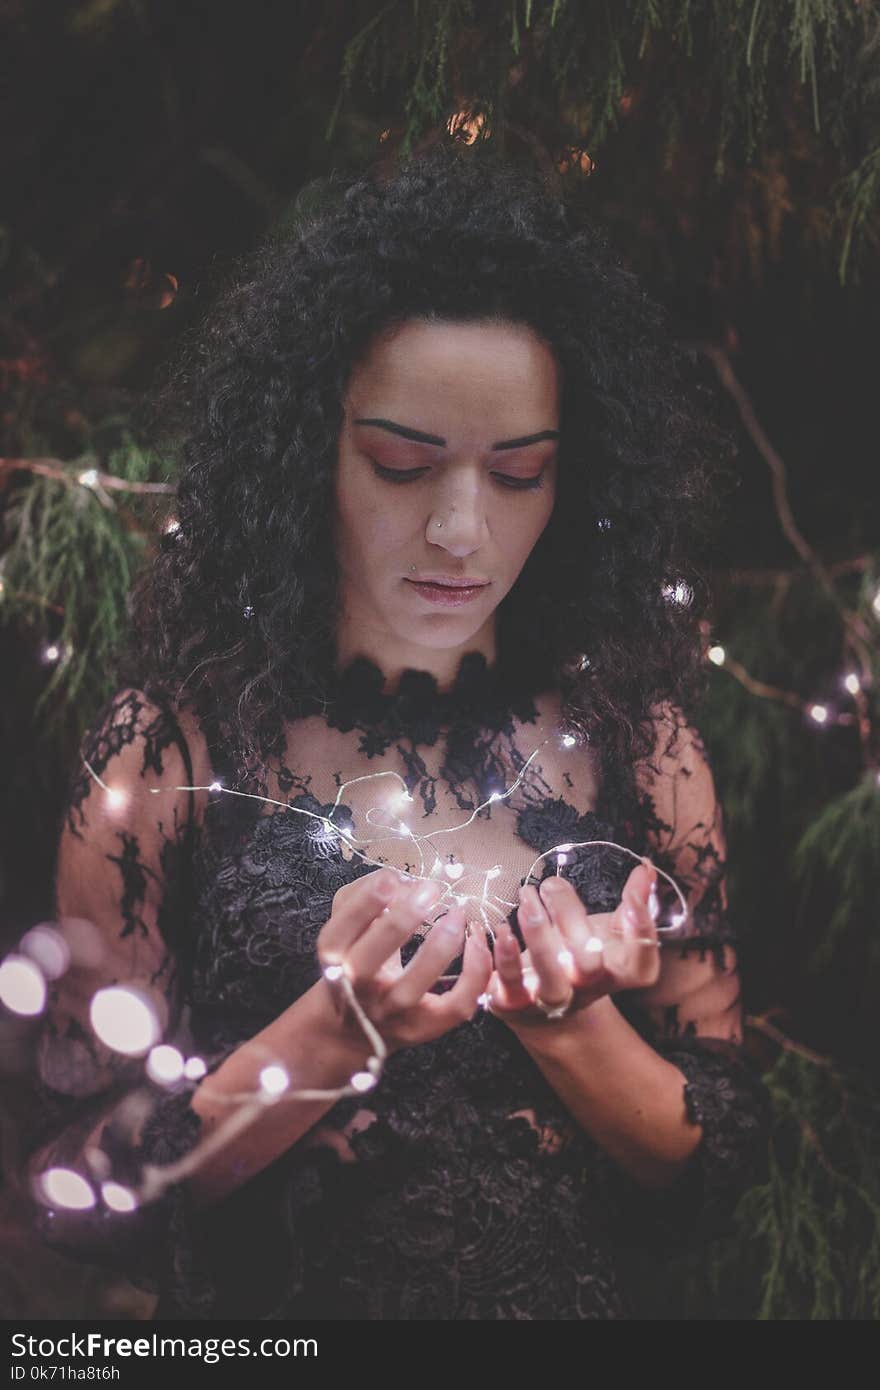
x=408, y=475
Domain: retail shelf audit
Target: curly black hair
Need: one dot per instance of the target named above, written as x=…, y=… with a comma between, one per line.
x=243, y=595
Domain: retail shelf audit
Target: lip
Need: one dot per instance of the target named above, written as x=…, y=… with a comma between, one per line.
x=450, y=581
x=448, y=594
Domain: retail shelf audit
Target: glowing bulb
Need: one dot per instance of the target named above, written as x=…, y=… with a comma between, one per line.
x=22, y=986
x=363, y=1081
x=116, y=799
x=172, y=524
x=194, y=1069
x=117, y=1197
x=561, y=859
x=274, y=1080
x=852, y=683
x=215, y=787
x=819, y=713
x=88, y=477
x=495, y=796
x=51, y=652
x=65, y=1188
x=404, y=828
x=124, y=1019
x=568, y=740
x=48, y=948
x=484, y=1000
x=604, y=523
x=680, y=593
x=716, y=654
x=333, y=972
x=165, y=1064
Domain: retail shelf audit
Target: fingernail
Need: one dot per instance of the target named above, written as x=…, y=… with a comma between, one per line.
x=553, y=885
x=531, y=911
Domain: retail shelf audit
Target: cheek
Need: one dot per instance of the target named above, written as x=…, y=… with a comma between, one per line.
x=369, y=523
x=523, y=530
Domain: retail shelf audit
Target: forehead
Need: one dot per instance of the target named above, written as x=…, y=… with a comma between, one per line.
x=459, y=376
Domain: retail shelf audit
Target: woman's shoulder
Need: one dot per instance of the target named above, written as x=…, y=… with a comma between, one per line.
x=141, y=737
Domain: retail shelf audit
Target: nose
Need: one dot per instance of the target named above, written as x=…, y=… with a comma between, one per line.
x=459, y=524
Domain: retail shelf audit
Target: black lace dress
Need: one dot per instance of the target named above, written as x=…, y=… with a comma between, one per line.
x=460, y=1187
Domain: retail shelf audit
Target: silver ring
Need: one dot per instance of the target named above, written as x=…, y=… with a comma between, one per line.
x=553, y=1011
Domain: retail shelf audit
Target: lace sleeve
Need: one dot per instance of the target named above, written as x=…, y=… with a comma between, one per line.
x=692, y=1015
x=93, y=1113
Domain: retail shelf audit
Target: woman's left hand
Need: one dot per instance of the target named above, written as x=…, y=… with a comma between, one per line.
x=573, y=953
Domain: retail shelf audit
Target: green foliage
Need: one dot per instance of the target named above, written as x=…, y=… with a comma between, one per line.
x=68, y=565
x=561, y=73
x=818, y=1217
x=841, y=848
x=805, y=1243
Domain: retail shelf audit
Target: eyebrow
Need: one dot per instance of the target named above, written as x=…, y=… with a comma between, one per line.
x=421, y=438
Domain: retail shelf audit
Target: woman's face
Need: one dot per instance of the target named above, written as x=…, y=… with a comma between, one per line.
x=452, y=423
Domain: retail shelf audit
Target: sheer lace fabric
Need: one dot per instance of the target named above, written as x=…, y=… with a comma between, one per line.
x=463, y=1188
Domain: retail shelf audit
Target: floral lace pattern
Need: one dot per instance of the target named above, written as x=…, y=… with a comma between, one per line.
x=463, y=1189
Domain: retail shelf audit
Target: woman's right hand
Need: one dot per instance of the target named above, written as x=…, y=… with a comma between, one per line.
x=372, y=918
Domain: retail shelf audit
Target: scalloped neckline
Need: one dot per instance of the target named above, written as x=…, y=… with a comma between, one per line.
x=482, y=694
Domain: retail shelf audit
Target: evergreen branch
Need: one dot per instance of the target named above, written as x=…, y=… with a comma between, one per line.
x=731, y=383
x=762, y=1024
x=757, y=687
x=32, y=598
x=54, y=468
x=759, y=577
x=858, y=635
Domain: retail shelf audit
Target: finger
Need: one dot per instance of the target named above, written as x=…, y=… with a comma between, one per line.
x=354, y=907
x=513, y=991
x=640, y=942
x=549, y=954
x=390, y=929
x=459, y=1004
x=638, y=887
x=440, y=948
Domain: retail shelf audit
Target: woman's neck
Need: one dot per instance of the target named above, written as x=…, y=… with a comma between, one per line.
x=393, y=655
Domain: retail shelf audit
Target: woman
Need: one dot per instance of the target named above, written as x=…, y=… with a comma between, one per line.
x=429, y=605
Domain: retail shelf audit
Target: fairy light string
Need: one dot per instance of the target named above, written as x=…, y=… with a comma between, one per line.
x=23, y=979
x=119, y=1011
